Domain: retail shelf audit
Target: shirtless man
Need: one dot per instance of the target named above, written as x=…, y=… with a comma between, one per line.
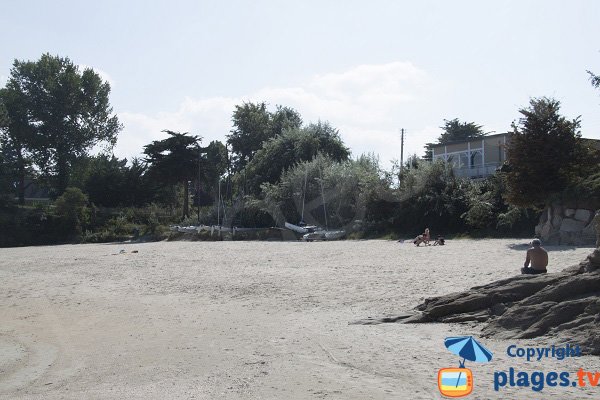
x=538, y=257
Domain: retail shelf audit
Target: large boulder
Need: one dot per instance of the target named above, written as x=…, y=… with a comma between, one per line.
x=567, y=226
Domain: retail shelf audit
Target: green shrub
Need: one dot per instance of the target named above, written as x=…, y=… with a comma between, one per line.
x=72, y=208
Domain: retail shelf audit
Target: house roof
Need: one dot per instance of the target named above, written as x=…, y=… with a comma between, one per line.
x=469, y=140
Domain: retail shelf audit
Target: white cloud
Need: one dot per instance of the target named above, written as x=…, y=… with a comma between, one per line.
x=367, y=103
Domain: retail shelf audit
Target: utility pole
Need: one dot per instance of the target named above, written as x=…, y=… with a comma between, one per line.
x=198, y=184
x=401, y=149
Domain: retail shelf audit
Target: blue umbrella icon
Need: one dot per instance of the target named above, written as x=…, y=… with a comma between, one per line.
x=469, y=349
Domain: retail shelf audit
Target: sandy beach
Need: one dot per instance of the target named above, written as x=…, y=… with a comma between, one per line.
x=251, y=320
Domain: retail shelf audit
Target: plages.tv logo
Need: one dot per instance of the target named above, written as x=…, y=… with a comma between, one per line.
x=458, y=382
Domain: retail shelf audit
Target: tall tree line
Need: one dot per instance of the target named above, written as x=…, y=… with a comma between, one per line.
x=55, y=113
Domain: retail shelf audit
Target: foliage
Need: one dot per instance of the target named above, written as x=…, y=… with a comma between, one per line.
x=325, y=192
x=26, y=226
x=16, y=136
x=294, y=146
x=215, y=163
x=587, y=190
x=173, y=160
x=111, y=183
x=4, y=120
x=544, y=155
x=253, y=124
x=489, y=213
x=431, y=196
x=595, y=79
x=71, y=206
x=455, y=131
x=6, y=179
x=68, y=109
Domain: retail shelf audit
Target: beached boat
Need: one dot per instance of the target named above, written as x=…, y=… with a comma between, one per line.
x=301, y=228
x=313, y=232
x=323, y=235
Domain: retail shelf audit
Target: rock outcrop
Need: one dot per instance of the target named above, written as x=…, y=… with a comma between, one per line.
x=567, y=226
x=565, y=306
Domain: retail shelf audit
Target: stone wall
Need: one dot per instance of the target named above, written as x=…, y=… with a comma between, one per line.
x=567, y=226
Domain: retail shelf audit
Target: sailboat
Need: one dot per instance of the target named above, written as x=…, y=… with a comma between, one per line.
x=313, y=232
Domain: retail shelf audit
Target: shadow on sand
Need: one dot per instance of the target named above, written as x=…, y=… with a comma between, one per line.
x=525, y=246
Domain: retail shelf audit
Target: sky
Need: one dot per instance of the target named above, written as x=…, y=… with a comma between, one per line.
x=370, y=68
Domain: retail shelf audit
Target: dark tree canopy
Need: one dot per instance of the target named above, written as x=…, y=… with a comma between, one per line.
x=216, y=160
x=110, y=182
x=69, y=109
x=595, y=79
x=16, y=136
x=544, y=154
x=290, y=148
x=253, y=124
x=175, y=160
x=455, y=131
x=3, y=115
x=214, y=163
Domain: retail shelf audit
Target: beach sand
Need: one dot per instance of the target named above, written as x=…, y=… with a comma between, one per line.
x=251, y=320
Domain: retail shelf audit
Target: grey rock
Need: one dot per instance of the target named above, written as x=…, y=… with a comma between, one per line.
x=571, y=225
x=583, y=215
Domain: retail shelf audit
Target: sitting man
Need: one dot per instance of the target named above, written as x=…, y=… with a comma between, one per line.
x=538, y=257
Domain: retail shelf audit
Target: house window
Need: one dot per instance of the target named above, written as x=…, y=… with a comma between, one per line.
x=463, y=160
x=476, y=158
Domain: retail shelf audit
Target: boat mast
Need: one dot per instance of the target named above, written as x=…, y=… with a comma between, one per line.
x=323, y=199
x=219, y=205
x=304, y=193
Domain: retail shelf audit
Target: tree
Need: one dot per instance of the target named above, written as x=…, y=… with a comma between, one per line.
x=217, y=162
x=324, y=191
x=292, y=147
x=455, y=131
x=432, y=196
x=253, y=124
x=212, y=165
x=595, y=79
x=17, y=135
x=71, y=207
x=6, y=179
x=69, y=109
x=105, y=182
x=174, y=160
x=544, y=155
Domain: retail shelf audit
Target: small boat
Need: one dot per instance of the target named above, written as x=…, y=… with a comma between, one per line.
x=323, y=235
x=313, y=232
x=301, y=228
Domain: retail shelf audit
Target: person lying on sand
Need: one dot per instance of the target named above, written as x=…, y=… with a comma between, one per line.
x=538, y=257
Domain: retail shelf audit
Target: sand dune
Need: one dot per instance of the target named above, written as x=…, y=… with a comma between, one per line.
x=248, y=320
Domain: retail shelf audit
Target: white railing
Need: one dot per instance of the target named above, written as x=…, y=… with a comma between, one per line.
x=478, y=171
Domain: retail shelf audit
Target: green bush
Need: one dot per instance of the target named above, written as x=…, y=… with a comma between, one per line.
x=72, y=208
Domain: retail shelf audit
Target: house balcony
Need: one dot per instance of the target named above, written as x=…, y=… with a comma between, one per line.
x=477, y=172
